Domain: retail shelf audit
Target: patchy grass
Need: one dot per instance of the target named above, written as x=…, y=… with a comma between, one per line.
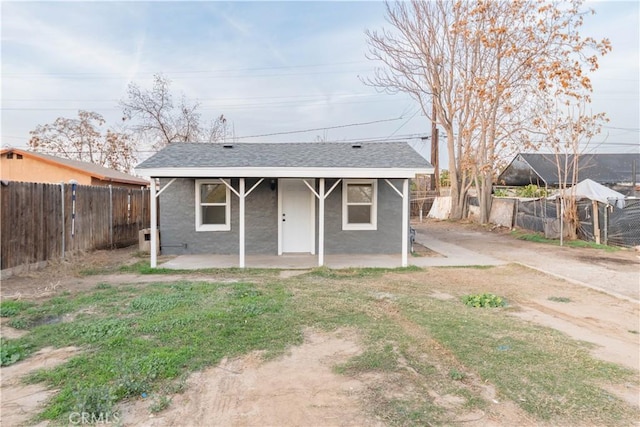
x=374, y=359
x=147, y=338
x=474, y=267
x=351, y=273
x=549, y=376
x=539, y=238
x=139, y=338
x=559, y=299
x=143, y=267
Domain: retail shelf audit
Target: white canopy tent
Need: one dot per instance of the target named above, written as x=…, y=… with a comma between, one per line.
x=589, y=189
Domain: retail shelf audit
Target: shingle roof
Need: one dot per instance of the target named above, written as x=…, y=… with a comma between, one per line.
x=527, y=168
x=287, y=155
x=91, y=169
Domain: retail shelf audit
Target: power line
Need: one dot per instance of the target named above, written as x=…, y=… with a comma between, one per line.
x=319, y=96
x=318, y=129
x=227, y=70
x=221, y=76
x=617, y=128
x=404, y=124
x=279, y=104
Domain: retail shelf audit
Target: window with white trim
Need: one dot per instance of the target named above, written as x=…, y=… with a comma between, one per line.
x=213, y=206
x=359, y=204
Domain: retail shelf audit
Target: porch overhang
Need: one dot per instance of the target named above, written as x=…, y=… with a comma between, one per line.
x=297, y=173
x=286, y=172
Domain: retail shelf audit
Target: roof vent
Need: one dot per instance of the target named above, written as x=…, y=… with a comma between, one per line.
x=227, y=146
x=356, y=146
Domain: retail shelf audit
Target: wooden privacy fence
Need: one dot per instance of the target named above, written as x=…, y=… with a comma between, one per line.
x=41, y=222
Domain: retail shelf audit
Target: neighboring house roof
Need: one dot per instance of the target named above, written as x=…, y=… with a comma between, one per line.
x=91, y=169
x=535, y=168
x=321, y=159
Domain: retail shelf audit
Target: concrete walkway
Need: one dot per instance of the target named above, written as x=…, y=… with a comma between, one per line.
x=452, y=255
x=448, y=255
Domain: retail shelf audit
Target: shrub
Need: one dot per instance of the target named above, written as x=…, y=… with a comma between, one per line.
x=531, y=190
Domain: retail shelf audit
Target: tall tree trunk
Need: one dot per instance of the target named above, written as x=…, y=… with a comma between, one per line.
x=484, y=197
x=454, y=177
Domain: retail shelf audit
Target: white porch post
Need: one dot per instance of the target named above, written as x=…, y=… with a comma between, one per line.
x=154, y=223
x=241, y=195
x=405, y=222
x=321, y=195
x=321, y=223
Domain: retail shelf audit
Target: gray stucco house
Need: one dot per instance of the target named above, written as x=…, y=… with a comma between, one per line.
x=278, y=198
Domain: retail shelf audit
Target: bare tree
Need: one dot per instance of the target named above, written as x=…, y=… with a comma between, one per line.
x=485, y=65
x=157, y=120
x=567, y=131
x=83, y=139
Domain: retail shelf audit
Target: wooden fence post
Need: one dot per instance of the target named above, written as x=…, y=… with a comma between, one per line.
x=62, y=218
x=110, y=216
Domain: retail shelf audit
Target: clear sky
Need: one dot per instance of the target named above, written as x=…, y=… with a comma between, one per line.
x=269, y=67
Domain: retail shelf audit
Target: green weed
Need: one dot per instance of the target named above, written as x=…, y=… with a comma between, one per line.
x=483, y=300
x=559, y=299
x=160, y=404
x=96, y=402
x=11, y=308
x=12, y=351
x=456, y=375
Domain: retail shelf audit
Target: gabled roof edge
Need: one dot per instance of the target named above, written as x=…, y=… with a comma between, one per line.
x=93, y=174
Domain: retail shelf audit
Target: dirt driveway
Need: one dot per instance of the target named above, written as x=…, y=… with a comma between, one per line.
x=616, y=273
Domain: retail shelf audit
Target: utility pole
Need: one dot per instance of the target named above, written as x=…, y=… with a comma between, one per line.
x=435, y=178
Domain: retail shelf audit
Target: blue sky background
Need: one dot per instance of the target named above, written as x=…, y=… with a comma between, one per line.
x=269, y=67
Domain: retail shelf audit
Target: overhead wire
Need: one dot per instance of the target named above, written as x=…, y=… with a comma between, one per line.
x=173, y=72
x=319, y=129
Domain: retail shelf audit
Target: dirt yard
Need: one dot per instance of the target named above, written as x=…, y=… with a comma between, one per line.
x=301, y=388
x=297, y=389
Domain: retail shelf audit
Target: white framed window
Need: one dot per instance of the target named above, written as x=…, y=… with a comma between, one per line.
x=213, y=206
x=359, y=204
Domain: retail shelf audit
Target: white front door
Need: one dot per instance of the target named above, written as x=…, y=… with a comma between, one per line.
x=297, y=217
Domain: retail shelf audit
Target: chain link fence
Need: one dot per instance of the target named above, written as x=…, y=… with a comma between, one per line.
x=615, y=226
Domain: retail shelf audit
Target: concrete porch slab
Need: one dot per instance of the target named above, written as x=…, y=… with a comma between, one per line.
x=451, y=255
